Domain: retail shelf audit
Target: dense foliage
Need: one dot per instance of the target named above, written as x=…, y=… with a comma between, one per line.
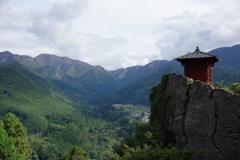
x=235, y=88
x=13, y=143
x=232, y=87
x=76, y=154
x=149, y=152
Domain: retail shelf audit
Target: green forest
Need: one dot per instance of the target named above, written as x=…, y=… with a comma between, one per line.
x=54, y=123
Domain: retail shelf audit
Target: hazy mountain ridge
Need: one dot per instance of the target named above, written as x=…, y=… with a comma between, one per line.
x=132, y=74
x=69, y=66
x=89, y=81
x=49, y=59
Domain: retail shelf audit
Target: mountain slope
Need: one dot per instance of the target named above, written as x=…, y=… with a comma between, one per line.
x=29, y=100
x=227, y=75
x=33, y=75
x=73, y=68
x=137, y=93
x=229, y=56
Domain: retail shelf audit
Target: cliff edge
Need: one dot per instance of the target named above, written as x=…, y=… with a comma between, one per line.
x=202, y=117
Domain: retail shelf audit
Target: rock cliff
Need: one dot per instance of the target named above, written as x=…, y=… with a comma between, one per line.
x=202, y=117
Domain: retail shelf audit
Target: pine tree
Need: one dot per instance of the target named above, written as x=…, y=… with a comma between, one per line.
x=76, y=154
x=7, y=148
x=13, y=136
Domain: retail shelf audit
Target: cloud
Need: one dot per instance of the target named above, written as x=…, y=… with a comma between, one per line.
x=121, y=60
x=55, y=24
x=88, y=45
x=9, y=19
x=2, y=2
x=181, y=34
x=49, y=30
x=68, y=10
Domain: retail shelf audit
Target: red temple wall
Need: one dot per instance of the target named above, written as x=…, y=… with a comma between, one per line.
x=199, y=71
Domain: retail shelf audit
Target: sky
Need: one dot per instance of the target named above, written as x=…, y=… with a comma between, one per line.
x=117, y=33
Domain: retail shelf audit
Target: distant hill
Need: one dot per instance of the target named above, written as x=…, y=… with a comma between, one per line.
x=229, y=56
x=4, y=56
x=73, y=68
x=132, y=74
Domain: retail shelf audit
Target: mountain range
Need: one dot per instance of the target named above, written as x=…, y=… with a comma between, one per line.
x=85, y=83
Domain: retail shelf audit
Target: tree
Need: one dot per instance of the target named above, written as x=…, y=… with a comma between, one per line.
x=7, y=148
x=14, y=143
x=76, y=154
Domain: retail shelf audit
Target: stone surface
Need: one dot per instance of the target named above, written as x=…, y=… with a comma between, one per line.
x=203, y=117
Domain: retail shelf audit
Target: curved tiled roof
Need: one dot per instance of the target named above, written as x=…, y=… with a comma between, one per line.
x=197, y=54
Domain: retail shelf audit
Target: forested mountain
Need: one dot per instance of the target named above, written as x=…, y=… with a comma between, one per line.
x=26, y=92
x=55, y=124
x=80, y=81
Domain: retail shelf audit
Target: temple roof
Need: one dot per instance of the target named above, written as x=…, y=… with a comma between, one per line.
x=197, y=54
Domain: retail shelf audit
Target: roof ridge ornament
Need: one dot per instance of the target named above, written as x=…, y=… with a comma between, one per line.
x=197, y=49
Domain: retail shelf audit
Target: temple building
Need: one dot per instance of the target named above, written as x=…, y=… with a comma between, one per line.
x=198, y=65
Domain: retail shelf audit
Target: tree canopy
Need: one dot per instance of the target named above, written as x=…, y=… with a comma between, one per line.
x=13, y=142
x=76, y=154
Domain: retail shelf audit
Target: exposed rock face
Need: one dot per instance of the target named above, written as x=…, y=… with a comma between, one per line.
x=58, y=76
x=203, y=117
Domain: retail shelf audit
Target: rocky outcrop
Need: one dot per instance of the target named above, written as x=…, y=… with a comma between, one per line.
x=202, y=117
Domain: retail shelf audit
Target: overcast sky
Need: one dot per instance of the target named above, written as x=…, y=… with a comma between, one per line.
x=117, y=33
